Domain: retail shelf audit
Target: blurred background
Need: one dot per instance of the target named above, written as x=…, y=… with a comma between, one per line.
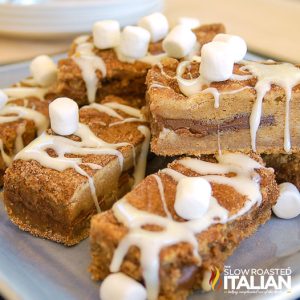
x=31, y=27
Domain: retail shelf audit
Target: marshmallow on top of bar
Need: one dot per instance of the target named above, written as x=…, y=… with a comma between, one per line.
x=64, y=116
x=106, y=34
x=179, y=42
x=218, y=57
x=133, y=41
x=43, y=70
x=192, y=197
x=157, y=25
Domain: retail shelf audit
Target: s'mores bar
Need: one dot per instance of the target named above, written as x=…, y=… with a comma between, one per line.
x=73, y=170
x=205, y=105
x=182, y=222
x=23, y=116
x=114, y=63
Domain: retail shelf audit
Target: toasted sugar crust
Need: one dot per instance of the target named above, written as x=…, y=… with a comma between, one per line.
x=178, y=273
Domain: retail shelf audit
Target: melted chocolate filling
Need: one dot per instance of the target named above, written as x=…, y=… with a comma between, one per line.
x=203, y=128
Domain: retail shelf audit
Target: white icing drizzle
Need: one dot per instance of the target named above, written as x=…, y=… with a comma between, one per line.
x=19, y=144
x=110, y=107
x=20, y=112
x=172, y=232
x=161, y=67
x=153, y=59
x=89, y=63
x=23, y=92
x=162, y=196
x=28, y=82
x=158, y=86
x=284, y=75
x=12, y=113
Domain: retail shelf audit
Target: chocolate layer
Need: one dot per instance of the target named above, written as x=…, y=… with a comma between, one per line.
x=204, y=128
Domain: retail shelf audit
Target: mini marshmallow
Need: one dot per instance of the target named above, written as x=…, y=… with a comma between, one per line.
x=216, y=61
x=118, y=286
x=179, y=42
x=157, y=24
x=3, y=99
x=134, y=42
x=43, y=70
x=192, y=197
x=190, y=23
x=106, y=34
x=237, y=44
x=64, y=116
x=288, y=202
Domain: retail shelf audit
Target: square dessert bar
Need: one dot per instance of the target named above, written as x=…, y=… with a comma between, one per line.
x=23, y=117
x=90, y=74
x=286, y=166
x=145, y=237
x=57, y=183
x=257, y=109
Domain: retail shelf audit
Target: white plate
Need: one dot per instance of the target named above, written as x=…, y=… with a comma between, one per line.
x=35, y=269
x=62, y=18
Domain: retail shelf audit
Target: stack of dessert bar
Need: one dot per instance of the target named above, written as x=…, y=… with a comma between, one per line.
x=94, y=74
x=163, y=238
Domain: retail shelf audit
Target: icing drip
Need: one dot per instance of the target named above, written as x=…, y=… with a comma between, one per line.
x=151, y=243
x=19, y=144
x=23, y=92
x=283, y=75
x=89, y=63
x=151, y=59
x=109, y=109
x=162, y=196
